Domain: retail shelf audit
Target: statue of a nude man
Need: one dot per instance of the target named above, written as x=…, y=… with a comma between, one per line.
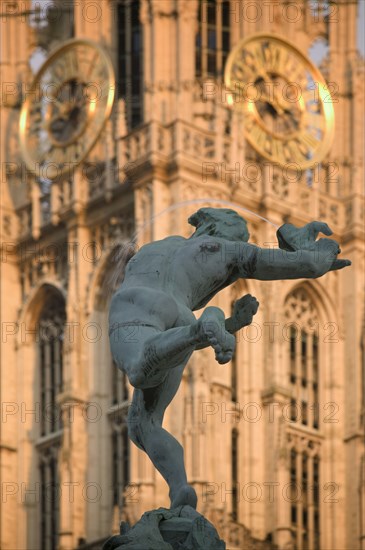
x=153, y=331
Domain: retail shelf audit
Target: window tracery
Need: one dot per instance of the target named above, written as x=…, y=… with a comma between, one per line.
x=303, y=352
x=304, y=459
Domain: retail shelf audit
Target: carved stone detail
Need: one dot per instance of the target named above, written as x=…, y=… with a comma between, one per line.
x=300, y=309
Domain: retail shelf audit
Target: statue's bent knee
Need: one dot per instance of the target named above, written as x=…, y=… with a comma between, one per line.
x=137, y=378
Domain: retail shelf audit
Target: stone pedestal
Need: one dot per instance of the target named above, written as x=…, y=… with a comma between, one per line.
x=181, y=528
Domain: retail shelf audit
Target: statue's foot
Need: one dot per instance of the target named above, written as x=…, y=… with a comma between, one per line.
x=212, y=324
x=244, y=309
x=185, y=496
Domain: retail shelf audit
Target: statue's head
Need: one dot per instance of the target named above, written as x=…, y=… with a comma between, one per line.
x=219, y=222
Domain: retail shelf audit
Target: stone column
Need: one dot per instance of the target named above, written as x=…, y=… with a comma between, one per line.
x=76, y=412
x=276, y=404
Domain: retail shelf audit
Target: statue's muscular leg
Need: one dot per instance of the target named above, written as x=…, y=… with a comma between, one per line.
x=145, y=429
x=148, y=353
x=154, y=362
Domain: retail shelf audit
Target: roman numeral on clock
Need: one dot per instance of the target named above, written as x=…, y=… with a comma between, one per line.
x=258, y=135
x=308, y=142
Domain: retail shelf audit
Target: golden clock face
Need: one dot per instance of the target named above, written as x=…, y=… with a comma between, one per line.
x=66, y=108
x=287, y=107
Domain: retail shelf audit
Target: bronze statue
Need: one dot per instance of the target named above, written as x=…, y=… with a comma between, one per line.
x=153, y=330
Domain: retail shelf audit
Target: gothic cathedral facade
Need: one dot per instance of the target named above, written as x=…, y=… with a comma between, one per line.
x=139, y=130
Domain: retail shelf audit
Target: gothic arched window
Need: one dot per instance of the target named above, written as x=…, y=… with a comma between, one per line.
x=301, y=331
x=234, y=392
x=120, y=453
x=49, y=497
x=235, y=486
x=119, y=386
x=119, y=436
x=50, y=337
x=51, y=334
x=316, y=510
x=120, y=460
x=130, y=60
x=212, y=42
x=115, y=387
x=304, y=497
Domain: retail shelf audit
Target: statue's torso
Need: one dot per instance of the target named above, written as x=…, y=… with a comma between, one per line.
x=171, y=278
x=189, y=269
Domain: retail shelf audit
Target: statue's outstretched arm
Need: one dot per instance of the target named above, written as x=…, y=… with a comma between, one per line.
x=277, y=264
x=299, y=255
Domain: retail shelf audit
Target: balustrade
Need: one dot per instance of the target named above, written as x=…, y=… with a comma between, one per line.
x=155, y=143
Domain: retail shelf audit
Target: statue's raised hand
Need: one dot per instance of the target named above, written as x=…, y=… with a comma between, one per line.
x=328, y=250
x=325, y=251
x=293, y=238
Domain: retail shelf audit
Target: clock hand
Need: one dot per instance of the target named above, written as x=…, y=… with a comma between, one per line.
x=273, y=98
x=281, y=109
x=55, y=117
x=284, y=106
x=279, y=104
x=60, y=105
x=273, y=102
